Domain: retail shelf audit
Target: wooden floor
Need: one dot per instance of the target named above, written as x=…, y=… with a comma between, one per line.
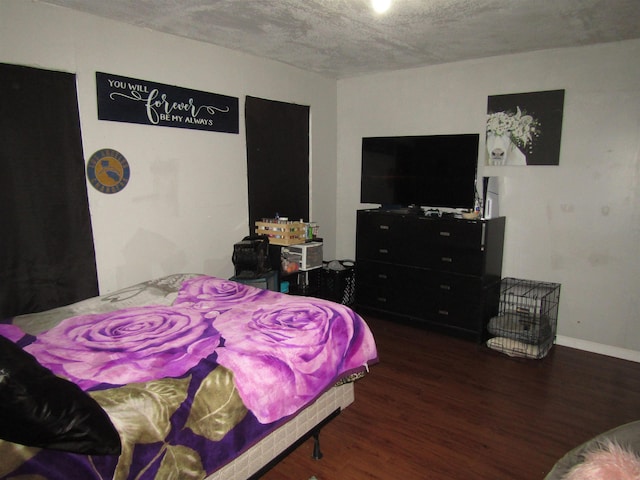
x=441, y=408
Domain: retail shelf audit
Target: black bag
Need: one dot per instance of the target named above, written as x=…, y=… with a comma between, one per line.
x=251, y=256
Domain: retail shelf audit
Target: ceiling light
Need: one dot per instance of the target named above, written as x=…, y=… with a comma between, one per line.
x=380, y=6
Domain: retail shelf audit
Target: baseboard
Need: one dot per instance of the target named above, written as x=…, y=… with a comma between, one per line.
x=617, y=352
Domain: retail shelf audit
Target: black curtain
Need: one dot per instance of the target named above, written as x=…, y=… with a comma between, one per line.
x=47, y=256
x=277, y=159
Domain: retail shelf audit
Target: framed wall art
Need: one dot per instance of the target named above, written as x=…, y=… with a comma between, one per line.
x=524, y=128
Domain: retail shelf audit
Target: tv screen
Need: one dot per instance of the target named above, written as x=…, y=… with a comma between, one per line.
x=425, y=170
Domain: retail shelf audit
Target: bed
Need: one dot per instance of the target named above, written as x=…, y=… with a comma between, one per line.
x=186, y=376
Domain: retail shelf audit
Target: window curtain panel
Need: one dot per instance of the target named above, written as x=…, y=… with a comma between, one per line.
x=277, y=159
x=47, y=256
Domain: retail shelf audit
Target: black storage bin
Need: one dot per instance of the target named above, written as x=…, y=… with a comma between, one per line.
x=305, y=282
x=338, y=281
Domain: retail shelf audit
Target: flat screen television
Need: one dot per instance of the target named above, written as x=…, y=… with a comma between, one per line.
x=424, y=170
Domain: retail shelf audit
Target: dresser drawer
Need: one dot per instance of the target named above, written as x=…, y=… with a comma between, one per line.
x=469, y=262
x=437, y=282
x=381, y=237
x=441, y=295
x=378, y=297
x=451, y=233
x=380, y=225
x=380, y=249
x=378, y=274
x=376, y=285
x=451, y=312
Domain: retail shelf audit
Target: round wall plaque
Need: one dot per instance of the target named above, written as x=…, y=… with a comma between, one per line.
x=108, y=171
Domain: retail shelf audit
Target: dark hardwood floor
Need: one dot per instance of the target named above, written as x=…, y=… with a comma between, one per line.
x=438, y=407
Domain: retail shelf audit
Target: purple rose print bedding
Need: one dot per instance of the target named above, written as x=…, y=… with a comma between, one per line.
x=191, y=371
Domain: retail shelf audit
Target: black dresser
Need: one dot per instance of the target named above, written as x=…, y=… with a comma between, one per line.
x=442, y=271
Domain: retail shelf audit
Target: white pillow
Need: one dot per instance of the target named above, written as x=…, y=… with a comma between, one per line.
x=515, y=348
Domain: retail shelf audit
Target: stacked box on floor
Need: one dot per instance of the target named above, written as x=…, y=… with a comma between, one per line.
x=527, y=320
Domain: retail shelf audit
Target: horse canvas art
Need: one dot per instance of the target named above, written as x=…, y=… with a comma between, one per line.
x=524, y=129
x=508, y=135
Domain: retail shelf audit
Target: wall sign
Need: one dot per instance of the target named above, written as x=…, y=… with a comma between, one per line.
x=123, y=99
x=108, y=171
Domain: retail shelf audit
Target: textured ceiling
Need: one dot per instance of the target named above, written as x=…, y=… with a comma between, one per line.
x=342, y=38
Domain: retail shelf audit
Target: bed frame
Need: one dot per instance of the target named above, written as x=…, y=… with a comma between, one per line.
x=265, y=454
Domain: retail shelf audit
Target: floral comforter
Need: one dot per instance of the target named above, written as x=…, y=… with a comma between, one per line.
x=190, y=376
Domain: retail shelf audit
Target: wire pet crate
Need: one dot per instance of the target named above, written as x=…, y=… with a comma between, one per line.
x=527, y=319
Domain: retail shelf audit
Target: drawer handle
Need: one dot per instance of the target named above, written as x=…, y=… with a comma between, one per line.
x=447, y=259
x=445, y=234
x=381, y=299
x=443, y=312
x=384, y=227
x=382, y=276
x=445, y=287
x=383, y=250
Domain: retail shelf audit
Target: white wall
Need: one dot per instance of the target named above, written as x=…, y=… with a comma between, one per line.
x=185, y=206
x=186, y=203
x=577, y=223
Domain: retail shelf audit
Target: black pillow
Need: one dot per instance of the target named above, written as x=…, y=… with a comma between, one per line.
x=39, y=409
